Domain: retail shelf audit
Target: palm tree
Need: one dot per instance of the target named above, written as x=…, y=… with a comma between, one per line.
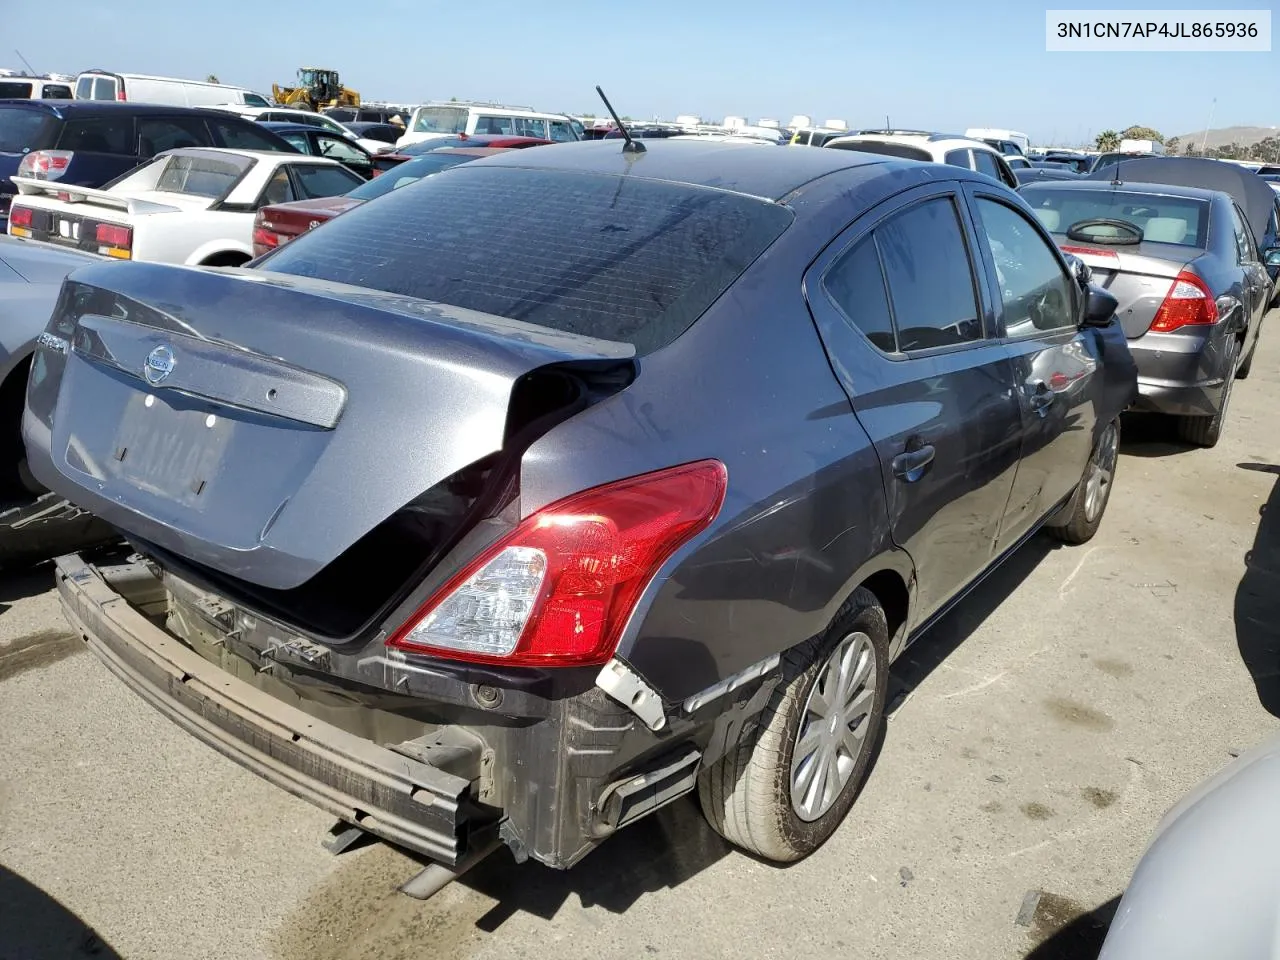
x=212, y=78
x=1107, y=141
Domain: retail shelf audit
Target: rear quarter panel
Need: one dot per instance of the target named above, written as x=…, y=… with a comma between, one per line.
x=804, y=519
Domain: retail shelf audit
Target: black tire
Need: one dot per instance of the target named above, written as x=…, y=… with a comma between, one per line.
x=1243, y=372
x=1086, y=515
x=746, y=794
x=1207, y=431
x=15, y=477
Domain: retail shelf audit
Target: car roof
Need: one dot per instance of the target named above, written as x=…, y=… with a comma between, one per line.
x=942, y=141
x=280, y=126
x=762, y=173
x=68, y=108
x=1157, y=189
x=270, y=155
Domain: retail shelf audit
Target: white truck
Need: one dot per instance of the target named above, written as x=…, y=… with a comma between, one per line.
x=1154, y=147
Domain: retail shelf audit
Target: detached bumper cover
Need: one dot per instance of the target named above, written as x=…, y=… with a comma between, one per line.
x=388, y=794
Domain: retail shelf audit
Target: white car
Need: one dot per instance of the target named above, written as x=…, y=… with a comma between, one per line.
x=930, y=147
x=192, y=206
x=434, y=121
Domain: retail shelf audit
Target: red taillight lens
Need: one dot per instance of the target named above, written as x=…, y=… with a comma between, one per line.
x=1189, y=302
x=45, y=164
x=557, y=591
x=120, y=94
x=262, y=237
x=112, y=235
x=20, y=217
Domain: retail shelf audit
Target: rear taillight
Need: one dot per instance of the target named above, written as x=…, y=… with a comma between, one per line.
x=120, y=94
x=558, y=590
x=45, y=164
x=1089, y=252
x=20, y=217
x=264, y=240
x=1189, y=302
x=114, y=240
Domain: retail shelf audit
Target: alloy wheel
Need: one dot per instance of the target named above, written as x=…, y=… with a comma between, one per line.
x=1102, y=468
x=832, y=732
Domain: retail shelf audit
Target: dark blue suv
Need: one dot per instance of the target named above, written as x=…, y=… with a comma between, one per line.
x=88, y=143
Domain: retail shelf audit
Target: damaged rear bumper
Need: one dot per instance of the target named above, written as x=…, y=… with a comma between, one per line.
x=386, y=793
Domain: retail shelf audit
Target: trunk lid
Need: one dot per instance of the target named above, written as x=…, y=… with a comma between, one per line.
x=1138, y=276
x=260, y=424
x=292, y=219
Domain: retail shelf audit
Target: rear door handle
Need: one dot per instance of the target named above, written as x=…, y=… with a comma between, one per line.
x=910, y=465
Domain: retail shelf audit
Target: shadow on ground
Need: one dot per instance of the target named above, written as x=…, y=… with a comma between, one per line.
x=1150, y=435
x=1257, y=605
x=35, y=926
x=1065, y=933
x=22, y=584
x=933, y=647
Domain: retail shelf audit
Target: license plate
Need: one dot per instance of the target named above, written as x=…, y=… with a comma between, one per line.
x=69, y=229
x=171, y=451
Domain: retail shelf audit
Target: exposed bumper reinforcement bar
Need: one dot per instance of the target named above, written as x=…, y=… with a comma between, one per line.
x=386, y=793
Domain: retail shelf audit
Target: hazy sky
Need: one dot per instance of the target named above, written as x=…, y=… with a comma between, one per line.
x=924, y=63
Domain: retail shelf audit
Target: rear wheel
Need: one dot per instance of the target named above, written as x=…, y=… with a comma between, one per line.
x=1207, y=431
x=1094, y=491
x=787, y=784
x=1243, y=372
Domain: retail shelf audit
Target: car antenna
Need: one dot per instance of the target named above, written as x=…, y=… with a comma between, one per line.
x=631, y=146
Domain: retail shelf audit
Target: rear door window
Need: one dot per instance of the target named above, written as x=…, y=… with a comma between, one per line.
x=241, y=135
x=99, y=135
x=957, y=158
x=23, y=129
x=14, y=90
x=930, y=277
x=56, y=91
x=1245, y=244
x=105, y=88
x=84, y=88
x=855, y=284
x=324, y=181
x=562, y=132
x=158, y=134
x=619, y=258
x=491, y=124
x=985, y=162
x=299, y=140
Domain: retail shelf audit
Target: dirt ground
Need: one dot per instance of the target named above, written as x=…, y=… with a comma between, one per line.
x=1044, y=728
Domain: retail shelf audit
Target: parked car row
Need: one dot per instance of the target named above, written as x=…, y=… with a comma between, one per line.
x=580, y=429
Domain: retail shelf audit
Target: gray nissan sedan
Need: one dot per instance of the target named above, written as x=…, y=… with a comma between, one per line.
x=510, y=506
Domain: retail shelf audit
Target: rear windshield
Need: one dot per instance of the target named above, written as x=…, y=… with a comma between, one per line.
x=14, y=90
x=440, y=120
x=1179, y=220
x=900, y=150
x=199, y=176
x=411, y=171
x=612, y=257
x=22, y=130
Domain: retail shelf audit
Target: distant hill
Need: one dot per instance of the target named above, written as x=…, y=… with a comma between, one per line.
x=1225, y=136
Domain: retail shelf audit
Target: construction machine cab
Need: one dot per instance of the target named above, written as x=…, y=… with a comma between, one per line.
x=323, y=85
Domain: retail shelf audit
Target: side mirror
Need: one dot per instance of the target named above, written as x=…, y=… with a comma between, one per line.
x=1099, y=307
x=1080, y=270
x=1271, y=256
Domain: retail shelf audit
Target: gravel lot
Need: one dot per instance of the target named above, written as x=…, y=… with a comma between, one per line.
x=1047, y=725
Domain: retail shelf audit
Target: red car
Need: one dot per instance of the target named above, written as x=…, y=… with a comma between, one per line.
x=385, y=161
x=277, y=224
